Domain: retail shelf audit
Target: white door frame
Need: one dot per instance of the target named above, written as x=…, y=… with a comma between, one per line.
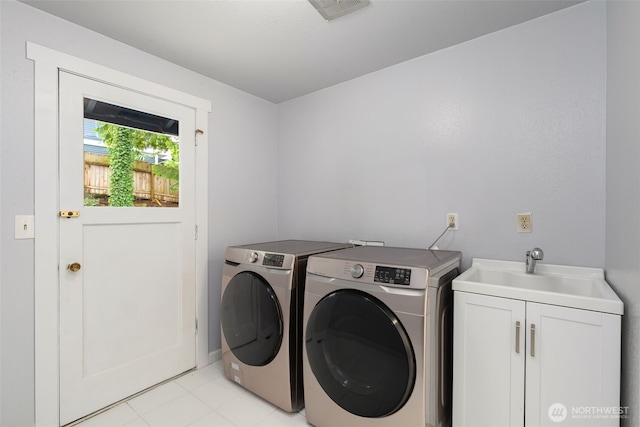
x=48, y=62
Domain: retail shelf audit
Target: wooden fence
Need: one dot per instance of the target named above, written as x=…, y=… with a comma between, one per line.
x=145, y=185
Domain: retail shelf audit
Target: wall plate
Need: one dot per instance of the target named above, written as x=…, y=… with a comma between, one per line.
x=24, y=227
x=524, y=222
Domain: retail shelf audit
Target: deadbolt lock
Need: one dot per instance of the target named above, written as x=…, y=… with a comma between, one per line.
x=73, y=267
x=69, y=214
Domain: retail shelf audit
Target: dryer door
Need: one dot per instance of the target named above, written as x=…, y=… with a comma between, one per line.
x=251, y=319
x=360, y=353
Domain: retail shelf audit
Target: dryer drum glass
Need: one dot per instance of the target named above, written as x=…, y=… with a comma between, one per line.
x=251, y=319
x=360, y=353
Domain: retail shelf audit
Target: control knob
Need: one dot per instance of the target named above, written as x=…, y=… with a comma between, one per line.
x=357, y=271
x=253, y=257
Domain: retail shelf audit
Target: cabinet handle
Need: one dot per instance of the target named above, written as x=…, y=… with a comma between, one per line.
x=533, y=340
x=518, y=336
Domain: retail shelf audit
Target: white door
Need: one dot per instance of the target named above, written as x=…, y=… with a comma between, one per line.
x=488, y=361
x=127, y=316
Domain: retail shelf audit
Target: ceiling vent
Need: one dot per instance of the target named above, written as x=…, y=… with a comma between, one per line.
x=331, y=9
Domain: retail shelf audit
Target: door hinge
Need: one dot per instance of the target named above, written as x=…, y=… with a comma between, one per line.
x=196, y=325
x=196, y=232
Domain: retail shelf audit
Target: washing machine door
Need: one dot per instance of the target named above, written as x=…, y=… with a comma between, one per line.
x=251, y=319
x=360, y=353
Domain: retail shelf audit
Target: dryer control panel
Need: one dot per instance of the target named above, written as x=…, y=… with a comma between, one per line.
x=400, y=276
x=385, y=266
x=258, y=259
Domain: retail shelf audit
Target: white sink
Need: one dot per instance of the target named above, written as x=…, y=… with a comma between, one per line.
x=577, y=287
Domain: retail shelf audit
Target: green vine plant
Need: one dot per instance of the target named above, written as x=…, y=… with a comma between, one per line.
x=171, y=168
x=124, y=146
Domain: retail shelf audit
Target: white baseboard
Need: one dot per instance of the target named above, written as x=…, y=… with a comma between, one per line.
x=215, y=355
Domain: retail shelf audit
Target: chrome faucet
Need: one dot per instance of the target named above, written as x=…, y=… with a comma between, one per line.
x=533, y=255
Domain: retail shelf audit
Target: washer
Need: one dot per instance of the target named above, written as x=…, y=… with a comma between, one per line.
x=378, y=337
x=261, y=317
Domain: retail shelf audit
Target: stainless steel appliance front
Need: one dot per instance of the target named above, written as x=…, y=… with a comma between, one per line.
x=261, y=317
x=378, y=347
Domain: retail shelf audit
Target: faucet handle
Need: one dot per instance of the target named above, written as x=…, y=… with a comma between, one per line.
x=533, y=255
x=536, y=253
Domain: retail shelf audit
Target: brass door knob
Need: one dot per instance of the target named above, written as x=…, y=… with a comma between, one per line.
x=73, y=267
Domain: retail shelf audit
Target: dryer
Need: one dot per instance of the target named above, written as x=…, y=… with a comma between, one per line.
x=377, y=331
x=261, y=317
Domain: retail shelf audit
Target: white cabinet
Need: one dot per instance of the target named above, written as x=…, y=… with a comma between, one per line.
x=520, y=363
x=488, y=369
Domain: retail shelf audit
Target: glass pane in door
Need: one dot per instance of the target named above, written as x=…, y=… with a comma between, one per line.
x=131, y=158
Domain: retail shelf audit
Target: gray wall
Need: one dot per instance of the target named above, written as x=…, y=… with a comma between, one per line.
x=623, y=186
x=510, y=122
x=242, y=176
x=507, y=123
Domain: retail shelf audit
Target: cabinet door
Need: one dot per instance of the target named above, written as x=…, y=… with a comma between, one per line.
x=488, y=361
x=573, y=364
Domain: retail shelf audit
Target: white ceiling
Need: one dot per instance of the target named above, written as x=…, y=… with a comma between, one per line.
x=282, y=49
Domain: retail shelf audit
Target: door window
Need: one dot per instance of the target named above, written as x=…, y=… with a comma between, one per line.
x=131, y=158
x=360, y=353
x=251, y=319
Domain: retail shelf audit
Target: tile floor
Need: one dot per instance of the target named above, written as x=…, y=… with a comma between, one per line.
x=203, y=398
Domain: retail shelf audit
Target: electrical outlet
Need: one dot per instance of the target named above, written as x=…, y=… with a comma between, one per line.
x=452, y=218
x=524, y=222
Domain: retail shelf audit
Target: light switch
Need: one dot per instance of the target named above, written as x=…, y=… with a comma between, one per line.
x=24, y=227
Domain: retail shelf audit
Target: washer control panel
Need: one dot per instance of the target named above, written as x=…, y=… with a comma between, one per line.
x=392, y=275
x=273, y=260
